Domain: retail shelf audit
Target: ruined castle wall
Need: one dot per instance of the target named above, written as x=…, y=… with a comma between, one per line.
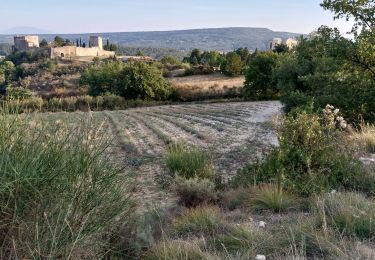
x=73, y=51
x=63, y=52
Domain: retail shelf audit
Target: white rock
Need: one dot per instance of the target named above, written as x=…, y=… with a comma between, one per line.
x=260, y=257
x=262, y=224
x=333, y=192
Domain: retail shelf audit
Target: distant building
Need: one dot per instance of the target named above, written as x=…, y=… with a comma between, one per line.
x=291, y=43
x=24, y=43
x=95, y=50
x=96, y=41
x=275, y=42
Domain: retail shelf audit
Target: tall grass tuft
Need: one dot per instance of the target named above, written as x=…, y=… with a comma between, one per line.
x=350, y=213
x=366, y=137
x=193, y=163
x=60, y=195
x=176, y=250
x=198, y=221
x=271, y=197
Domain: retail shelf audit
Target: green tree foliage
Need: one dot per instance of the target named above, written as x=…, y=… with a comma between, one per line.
x=170, y=61
x=363, y=12
x=260, y=82
x=281, y=48
x=142, y=81
x=133, y=81
x=43, y=43
x=58, y=41
x=102, y=78
x=328, y=69
x=211, y=58
x=232, y=65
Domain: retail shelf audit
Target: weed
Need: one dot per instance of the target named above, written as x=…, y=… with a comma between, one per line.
x=189, y=163
x=198, y=221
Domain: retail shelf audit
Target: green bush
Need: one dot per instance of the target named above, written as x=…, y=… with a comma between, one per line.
x=142, y=81
x=136, y=80
x=312, y=158
x=205, y=220
x=18, y=93
x=60, y=195
x=193, y=163
x=195, y=192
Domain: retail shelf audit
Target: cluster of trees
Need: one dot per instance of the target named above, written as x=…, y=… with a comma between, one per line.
x=325, y=68
x=231, y=63
x=110, y=46
x=136, y=80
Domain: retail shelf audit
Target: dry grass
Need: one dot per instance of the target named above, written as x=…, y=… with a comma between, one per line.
x=207, y=85
x=365, y=137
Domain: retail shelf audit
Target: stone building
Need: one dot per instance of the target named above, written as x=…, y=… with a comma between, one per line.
x=24, y=43
x=275, y=42
x=96, y=41
x=95, y=50
x=291, y=43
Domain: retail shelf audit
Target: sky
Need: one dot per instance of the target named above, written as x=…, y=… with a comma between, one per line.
x=89, y=16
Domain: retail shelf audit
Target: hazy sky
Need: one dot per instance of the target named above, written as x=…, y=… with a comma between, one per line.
x=73, y=16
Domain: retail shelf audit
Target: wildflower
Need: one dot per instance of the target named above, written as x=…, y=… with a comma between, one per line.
x=260, y=257
x=336, y=111
x=333, y=192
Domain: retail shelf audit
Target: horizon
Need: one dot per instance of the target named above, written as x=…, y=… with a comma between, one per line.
x=161, y=15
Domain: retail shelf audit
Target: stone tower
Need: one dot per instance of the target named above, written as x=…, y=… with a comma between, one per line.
x=23, y=43
x=96, y=41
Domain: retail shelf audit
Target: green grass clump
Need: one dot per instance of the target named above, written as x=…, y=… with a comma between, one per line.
x=240, y=240
x=198, y=221
x=351, y=213
x=189, y=163
x=60, y=195
x=271, y=197
x=176, y=250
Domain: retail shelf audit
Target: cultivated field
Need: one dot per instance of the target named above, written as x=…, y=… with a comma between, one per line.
x=233, y=133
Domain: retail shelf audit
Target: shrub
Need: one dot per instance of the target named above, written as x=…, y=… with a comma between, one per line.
x=237, y=198
x=205, y=220
x=175, y=251
x=195, y=192
x=193, y=163
x=142, y=81
x=350, y=213
x=312, y=157
x=18, y=93
x=271, y=197
x=60, y=195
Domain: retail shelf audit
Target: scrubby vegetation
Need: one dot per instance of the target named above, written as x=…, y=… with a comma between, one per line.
x=60, y=194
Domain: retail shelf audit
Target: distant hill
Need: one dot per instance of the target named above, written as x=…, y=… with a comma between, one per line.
x=222, y=39
x=25, y=30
